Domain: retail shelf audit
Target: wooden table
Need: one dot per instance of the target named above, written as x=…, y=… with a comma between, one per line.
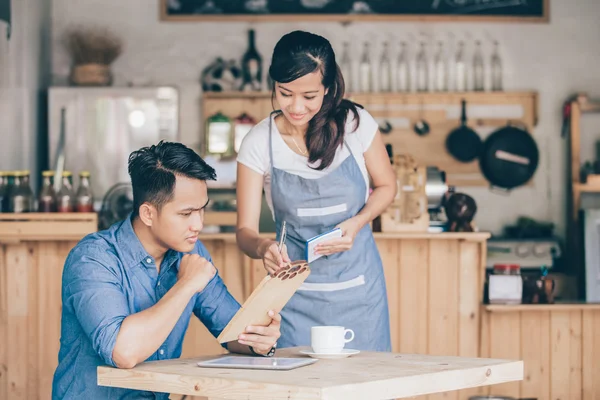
x=366, y=375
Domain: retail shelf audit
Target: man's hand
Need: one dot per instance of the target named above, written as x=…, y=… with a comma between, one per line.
x=195, y=271
x=262, y=338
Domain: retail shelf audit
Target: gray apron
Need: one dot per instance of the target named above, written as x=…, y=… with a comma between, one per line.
x=345, y=289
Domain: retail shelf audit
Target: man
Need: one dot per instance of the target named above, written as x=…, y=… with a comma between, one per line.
x=128, y=292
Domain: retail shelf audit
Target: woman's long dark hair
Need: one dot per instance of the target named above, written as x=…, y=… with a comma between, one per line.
x=299, y=53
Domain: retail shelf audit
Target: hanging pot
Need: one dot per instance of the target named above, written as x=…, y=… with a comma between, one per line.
x=509, y=157
x=463, y=143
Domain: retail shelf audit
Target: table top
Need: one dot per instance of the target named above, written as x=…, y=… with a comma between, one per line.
x=369, y=375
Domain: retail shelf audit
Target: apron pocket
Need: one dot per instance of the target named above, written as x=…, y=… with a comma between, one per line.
x=332, y=287
x=322, y=211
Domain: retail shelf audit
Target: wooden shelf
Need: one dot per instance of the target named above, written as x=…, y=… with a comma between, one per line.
x=17, y=227
x=586, y=188
x=541, y=307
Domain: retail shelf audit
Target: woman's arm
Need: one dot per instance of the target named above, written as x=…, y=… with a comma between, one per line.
x=384, y=181
x=249, y=200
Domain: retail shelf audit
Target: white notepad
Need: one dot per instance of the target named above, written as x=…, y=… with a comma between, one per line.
x=312, y=242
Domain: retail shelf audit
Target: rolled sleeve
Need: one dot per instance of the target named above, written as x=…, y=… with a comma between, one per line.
x=94, y=293
x=214, y=305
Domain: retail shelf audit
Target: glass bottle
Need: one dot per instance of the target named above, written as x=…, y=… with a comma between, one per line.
x=64, y=197
x=478, y=73
x=346, y=67
x=496, y=67
x=422, y=69
x=21, y=198
x=10, y=184
x=3, y=188
x=402, y=70
x=385, y=70
x=47, y=197
x=84, y=199
x=251, y=66
x=440, y=71
x=461, y=68
x=365, y=70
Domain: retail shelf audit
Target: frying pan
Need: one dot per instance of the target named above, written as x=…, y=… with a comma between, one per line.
x=509, y=157
x=463, y=143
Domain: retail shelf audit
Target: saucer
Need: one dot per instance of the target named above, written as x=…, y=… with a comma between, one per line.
x=342, y=354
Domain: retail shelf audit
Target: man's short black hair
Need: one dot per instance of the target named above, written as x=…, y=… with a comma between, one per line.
x=153, y=169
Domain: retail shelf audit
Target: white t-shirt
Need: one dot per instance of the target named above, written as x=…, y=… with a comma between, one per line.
x=254, y=151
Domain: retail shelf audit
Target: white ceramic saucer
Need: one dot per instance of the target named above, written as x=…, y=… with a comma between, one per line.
x=343, y=354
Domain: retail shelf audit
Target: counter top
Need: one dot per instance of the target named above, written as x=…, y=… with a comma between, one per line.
x=541, y=307
x=468, y=236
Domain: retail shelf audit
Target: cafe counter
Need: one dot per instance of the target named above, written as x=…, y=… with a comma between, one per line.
x=434, y=286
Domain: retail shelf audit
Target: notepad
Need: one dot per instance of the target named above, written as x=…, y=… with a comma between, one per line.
x=312, y=242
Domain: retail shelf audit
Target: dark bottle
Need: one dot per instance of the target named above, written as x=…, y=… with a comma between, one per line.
x=84, y=200
x=21, y=196
x=64, y=197
x=3, y=188
x=47, y=198
x=251, y=66
x=9, y=180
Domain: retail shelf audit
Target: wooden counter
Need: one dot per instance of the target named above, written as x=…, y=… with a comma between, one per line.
x=559, y=344
x=33, y=249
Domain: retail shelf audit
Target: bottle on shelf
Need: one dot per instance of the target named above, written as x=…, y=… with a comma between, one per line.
x=422, y=69
x=3, y=188
x=21, y=197
x=251, y=66
x=9, y=187
x=346, y=67
x=460, y=68
x=478, y=68
x=47, y=197
x=364, y=70
x=440, y=70
x=403, y=70
x=84, y=199
x=385, y=70
x=64, y=197
x=496, y=67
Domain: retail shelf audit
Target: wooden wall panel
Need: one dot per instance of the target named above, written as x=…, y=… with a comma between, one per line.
x=559, y=349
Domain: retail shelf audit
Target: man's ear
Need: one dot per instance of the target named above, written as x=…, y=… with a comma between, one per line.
x=147, y=214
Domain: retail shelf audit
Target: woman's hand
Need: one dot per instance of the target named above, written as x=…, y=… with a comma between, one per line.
x=273, y=260
x=350, y=228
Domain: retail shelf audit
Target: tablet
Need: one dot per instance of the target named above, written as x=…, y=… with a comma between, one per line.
x=312, y=242
x=272, y=363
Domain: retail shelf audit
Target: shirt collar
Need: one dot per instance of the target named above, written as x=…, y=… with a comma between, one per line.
x=131, y=247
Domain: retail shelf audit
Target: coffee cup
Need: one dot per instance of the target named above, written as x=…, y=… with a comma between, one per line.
x=329, y=339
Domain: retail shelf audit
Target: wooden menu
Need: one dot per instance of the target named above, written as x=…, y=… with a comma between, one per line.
x=272, y=293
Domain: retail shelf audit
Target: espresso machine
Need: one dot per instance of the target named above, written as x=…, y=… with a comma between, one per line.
x=437, y=192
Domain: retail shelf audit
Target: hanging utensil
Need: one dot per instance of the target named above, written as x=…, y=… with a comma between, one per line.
x=509, y=157
x=463, y=143
x=421, y=127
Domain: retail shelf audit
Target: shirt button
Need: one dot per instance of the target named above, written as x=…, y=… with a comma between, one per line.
x=158, y=284
x=148, y=260
x=161, y=352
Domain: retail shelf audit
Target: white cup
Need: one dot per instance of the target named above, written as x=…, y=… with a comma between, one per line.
x=329, y=339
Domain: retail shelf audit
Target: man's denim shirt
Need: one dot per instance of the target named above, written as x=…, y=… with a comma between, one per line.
x=108, y=276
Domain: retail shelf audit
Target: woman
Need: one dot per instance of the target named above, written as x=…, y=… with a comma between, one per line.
x=314, y=158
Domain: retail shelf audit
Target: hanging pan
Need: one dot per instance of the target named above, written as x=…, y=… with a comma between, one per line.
x=509, y=157
x=463, y=143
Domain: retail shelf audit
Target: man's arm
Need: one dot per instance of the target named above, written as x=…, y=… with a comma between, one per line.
x=93, y=289
x=215, y=307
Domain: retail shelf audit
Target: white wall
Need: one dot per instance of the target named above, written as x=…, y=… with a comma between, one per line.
x=24, y=72
x=555, y=59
